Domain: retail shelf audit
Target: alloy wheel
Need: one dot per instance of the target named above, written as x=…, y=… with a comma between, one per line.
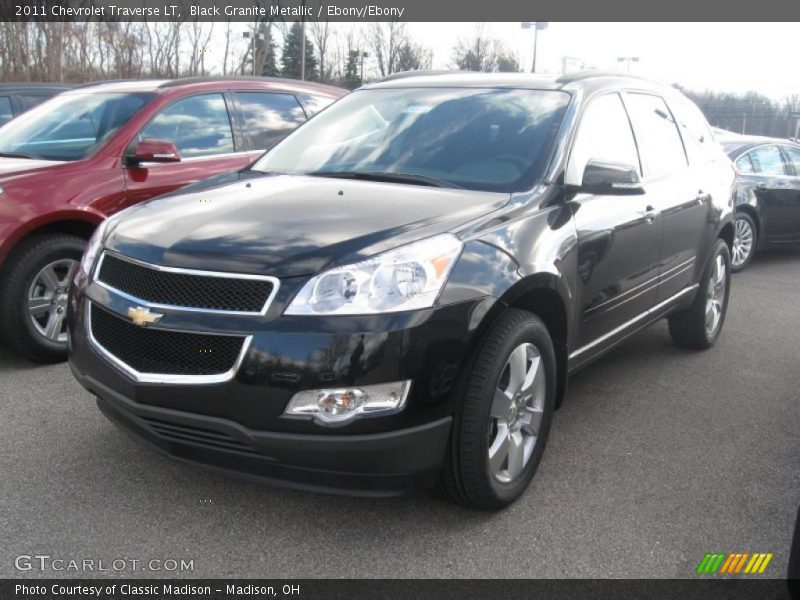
x=516, y=414
x=743, y=238
x=715, y=296
x=47, y=299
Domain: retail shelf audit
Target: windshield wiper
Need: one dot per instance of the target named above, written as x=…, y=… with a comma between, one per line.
x=21, y=155
x=386, y=176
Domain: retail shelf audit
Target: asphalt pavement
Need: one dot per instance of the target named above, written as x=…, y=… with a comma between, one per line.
x=658, y=456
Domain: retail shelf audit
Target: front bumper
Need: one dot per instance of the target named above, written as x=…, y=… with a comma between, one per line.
x=383, y=464
x=239, y=427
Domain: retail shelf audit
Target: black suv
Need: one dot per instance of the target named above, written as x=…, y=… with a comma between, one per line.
x=17, y=98
x=395, y=294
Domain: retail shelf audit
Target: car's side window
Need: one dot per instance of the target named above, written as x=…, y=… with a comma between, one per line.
x=6, y=114
x=28, y=101
x=794, y=157
x=745, y=165
x=268, y=117
x=314, y=103
x=604, y=134
x=701, y=148
x=768, y=160
x=197, y=125
x=657, y=137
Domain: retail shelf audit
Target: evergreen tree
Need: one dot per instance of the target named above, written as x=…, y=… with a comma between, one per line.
x=352, y=79
x=291, y=55
x=270, y=66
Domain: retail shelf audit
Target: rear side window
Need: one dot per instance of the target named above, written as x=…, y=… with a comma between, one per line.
x=28, y=101
x=745, y=165
x=268, y=117
x=313, y=103
x=794, y=157
x=657, y=135
x=6, y=114
x=767, y=160
x=197, y=125
x=698, y=140
x=604, y=134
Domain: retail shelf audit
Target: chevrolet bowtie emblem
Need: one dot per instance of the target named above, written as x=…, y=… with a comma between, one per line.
x=142, y=316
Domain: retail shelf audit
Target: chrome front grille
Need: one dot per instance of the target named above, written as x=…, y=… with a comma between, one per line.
x=160, y=352
x=185, y=289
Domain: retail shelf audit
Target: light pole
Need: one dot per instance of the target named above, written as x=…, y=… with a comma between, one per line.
x=303, y=45
x=252, y=37
x=629, y=60
x=537, y=26
x=363, y=56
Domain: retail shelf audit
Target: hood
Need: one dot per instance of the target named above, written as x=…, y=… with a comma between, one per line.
x=20, y=166
x=286, y=226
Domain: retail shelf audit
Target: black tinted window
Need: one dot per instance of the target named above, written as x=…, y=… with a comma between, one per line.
x=6, y=113
x=767, y=160
x=28, y=101
x=660, y=146
x=197, y=125
x=604, y=134
x=794, y=157
x=483, y=139
x=268, y=117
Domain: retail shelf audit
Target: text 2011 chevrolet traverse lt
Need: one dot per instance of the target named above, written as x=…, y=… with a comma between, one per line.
x=394, y=295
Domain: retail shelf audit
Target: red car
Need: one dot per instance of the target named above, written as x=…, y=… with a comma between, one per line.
x=97, y=149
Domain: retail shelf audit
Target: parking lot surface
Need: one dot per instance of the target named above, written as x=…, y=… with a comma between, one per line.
x=658, y=456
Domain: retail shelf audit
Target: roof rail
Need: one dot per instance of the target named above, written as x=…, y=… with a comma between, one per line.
x=191, y=80
x=418, y=73
x=581, y=75
x=103, y=81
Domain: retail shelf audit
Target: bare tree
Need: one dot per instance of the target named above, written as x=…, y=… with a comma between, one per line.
x=482, y=53
x=385, y=40
x=412, y=57
x=320, y=35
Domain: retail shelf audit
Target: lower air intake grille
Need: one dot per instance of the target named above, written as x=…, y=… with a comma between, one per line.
x=177, y=432
x=148, y=350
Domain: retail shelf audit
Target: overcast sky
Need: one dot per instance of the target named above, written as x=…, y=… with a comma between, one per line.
x=721, y=56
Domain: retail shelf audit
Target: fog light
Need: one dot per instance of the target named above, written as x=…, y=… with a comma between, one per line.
x=337, y=406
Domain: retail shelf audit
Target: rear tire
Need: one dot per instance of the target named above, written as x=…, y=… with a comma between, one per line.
x=33, y=288
x=699, y=326
x=745, y=238
x=505, y=400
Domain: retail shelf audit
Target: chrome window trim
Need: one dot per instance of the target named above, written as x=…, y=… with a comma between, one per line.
x=172, y=307
x=628, y=324
x=166, y=378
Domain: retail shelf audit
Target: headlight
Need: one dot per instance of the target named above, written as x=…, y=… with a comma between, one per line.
x=93, y=247
x=407, y=278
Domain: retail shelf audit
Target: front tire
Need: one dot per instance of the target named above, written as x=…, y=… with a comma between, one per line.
x=506, y=399
x=745, y=237
x=33, y=295
x=699, y=326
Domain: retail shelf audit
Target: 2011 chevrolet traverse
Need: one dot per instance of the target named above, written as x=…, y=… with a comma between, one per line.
x=395, y=294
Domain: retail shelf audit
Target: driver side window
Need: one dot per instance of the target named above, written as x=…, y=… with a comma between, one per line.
x=604, y=134
x=197, y=125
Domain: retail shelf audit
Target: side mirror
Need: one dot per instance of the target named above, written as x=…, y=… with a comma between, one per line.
x=611, y=178
x=152, y=150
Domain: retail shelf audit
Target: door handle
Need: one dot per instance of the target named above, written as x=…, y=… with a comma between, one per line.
x=649, y=214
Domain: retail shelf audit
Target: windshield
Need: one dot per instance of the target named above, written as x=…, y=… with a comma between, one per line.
x=70, y=126
x=479, y=139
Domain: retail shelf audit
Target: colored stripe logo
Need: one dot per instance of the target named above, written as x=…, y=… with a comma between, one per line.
x=734, y=563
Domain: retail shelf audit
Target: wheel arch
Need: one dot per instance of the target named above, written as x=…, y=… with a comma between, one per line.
x=78, y=223
x=542, y=294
